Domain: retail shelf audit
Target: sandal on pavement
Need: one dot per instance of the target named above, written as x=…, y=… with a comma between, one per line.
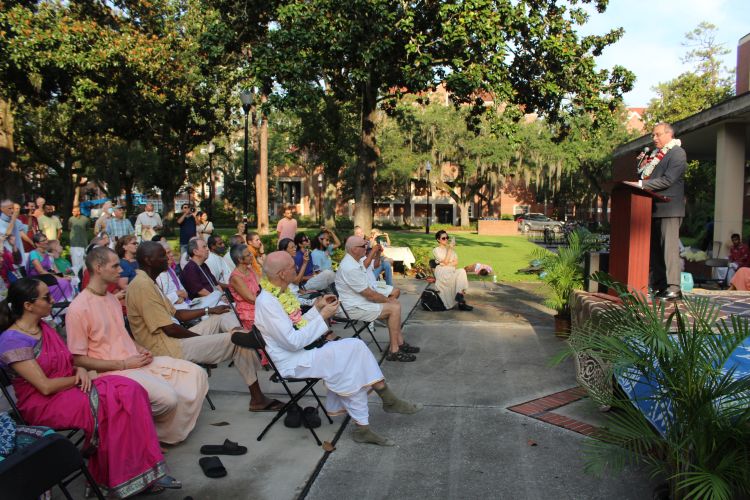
x=228, y=448
x=400, y=356
x=273, y=405
x=409, y=349
x=168, y=482
x=212, y=467
x=463, y=306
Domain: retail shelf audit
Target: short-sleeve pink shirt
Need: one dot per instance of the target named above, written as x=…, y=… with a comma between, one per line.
x=95, y=328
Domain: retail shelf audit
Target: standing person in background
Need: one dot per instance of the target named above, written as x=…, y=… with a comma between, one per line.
x=119, y=226
x=664, y=174
x=287, y=226
x=148, y=223
x=187, y=224
x=79, y=237
x=205, y=227
x=11, y=226
x=241, y=230
x=50, y=223
x=27, y=217
x=39, y=207
x=101, y=223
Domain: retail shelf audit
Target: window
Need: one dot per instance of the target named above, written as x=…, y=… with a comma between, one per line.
x=521, y=209
x=289, y=192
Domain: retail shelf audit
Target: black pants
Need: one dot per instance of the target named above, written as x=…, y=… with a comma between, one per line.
x=665, y=269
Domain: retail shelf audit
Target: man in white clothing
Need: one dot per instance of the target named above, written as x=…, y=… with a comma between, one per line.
x=347, y=366
x=363, y=303
x=215, y=262
x=147, y=224
x=233, y=240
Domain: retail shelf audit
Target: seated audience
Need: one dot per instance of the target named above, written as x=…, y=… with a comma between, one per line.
x=255, y=245
x=233, y=240
x=322, y=249
x=40, y=262
x=126, y=247
x=287, y=245
x=215, y=262
x=125, y=457
x=381, y=264
x=63, y=265
x=450, y=282
x=204, y=228
x=156, y=326
x=739, y=256
x=99, y=341
x=198, y=279
x=347, y=366
x=363, y=303
x=169, y=283
x=243, y=284
x=311, y=279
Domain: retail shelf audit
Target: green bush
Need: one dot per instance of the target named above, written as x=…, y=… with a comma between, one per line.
x=506, y=217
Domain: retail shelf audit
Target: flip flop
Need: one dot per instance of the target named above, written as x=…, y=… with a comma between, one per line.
x=228, y=448
x=273, y=405
x=212, y=467
x=168, y=482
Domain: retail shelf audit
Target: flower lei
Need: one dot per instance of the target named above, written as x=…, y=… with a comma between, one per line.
x=288, y=301
x=645, y=171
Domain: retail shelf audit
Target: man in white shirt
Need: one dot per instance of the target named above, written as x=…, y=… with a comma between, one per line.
x=233, y=240
x=215, y=262
x=147, y=223
x=363, y=303
x=347, y=366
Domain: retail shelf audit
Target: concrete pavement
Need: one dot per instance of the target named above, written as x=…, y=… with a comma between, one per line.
x=464, y=444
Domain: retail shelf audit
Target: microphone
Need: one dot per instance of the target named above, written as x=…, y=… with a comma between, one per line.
x=643, y=156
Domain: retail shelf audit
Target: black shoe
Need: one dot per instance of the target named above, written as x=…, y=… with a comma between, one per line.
x=408, y=349
x=311, y=418
x=293, y=417
x=460, y=298
x=400, y=356
x=463, y=306
x=669, y=295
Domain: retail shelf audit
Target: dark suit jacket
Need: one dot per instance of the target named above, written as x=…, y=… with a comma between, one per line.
x=668, y=180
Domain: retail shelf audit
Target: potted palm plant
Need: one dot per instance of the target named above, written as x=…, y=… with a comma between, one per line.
x=563, y=272
x=684, y=407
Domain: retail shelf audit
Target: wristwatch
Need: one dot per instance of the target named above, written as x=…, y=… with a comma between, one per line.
x=205, y=311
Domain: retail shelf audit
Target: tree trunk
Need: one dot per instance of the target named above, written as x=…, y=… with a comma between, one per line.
x=367, y=157
x=464, y=213
x=261, y=180
x=10, y=176
x=329, y=204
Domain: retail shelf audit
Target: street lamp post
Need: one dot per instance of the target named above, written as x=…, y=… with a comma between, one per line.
x=211, y=150
x=428, y=167
x=246, y=97
x=320, y=199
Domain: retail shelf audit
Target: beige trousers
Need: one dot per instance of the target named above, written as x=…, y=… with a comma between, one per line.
x=176, y=389
x=214, y=345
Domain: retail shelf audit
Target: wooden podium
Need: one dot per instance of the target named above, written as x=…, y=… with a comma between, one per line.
x=630, y=234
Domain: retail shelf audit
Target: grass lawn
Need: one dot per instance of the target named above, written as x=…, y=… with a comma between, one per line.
x=506, y=254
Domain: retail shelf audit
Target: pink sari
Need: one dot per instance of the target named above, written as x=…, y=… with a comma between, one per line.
x=115, y=415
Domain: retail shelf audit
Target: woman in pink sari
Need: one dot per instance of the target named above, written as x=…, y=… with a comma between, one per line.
x=243, y=284
x=113, y=411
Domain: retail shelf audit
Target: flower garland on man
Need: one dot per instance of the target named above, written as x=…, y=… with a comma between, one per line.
x=645, y=171
x=347, y=366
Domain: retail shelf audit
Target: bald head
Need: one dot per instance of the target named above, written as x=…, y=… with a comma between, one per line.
x=276, y=262
x=354, y=242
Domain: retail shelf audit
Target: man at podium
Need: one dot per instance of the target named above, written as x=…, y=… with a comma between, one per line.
x=663, y=172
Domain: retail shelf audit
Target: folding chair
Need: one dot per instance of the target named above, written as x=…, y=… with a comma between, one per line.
x=354, y=323
x=52, y=460
x=254, y=340
x=58, y=308
x=73, y=436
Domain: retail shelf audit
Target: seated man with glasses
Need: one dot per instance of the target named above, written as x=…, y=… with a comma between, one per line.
x=365, y=304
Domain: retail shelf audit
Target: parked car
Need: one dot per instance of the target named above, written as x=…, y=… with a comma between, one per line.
x=538, y=222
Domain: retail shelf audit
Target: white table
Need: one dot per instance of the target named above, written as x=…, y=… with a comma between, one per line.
x=401, y=254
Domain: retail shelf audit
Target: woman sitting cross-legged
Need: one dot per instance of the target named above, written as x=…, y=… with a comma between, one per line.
x=450, y=282
x=112, y=411
x=41, y=262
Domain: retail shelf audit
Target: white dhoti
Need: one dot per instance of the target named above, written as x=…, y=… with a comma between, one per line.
x=77, y=258
x=349, y=370
x=322, y=280
x=176, y=389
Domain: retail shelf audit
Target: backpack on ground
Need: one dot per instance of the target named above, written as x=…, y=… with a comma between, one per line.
x=431, y=300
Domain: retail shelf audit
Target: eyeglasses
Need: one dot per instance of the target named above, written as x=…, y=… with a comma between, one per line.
x=47, y=297
x=443, y=237
x=361, y=246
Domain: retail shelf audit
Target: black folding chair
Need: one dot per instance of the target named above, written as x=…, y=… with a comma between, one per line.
x=58, y=308
x=254, y=340
x=357, y=325
x=50, y=461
